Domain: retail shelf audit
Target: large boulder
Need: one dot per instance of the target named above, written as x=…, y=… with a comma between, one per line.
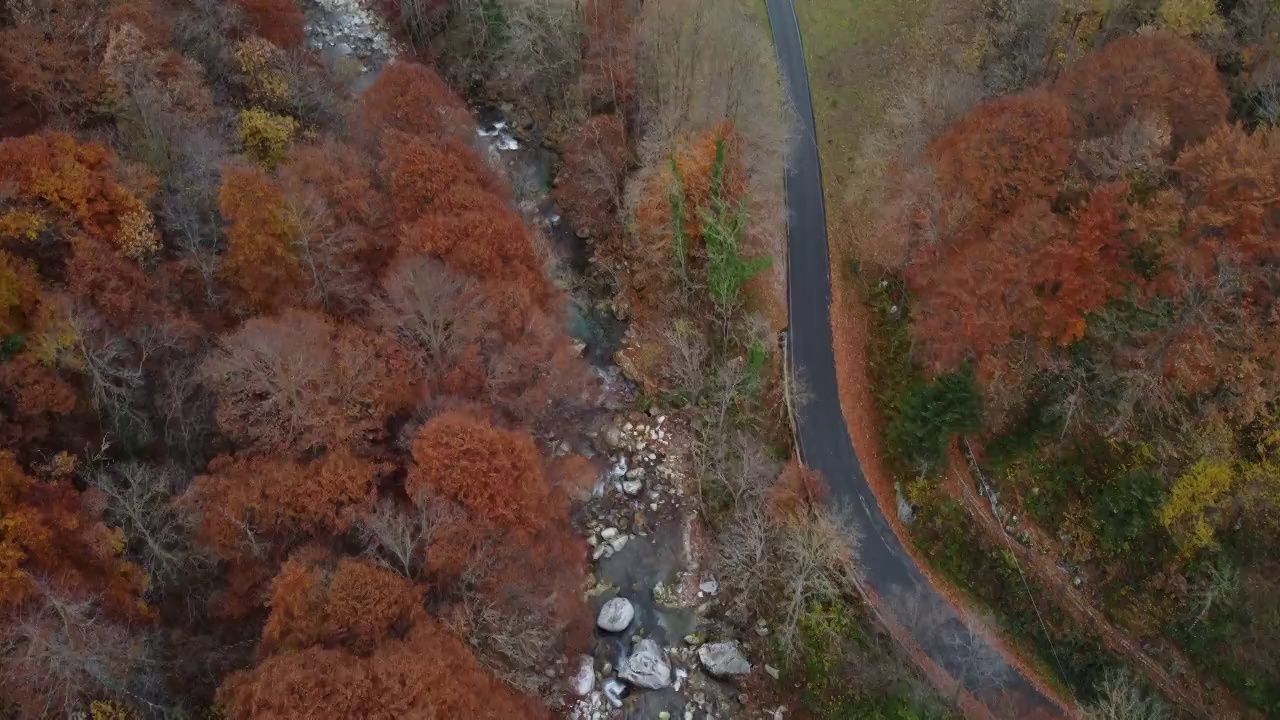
x=723, y=659
x=648, y=666
x=615, y=615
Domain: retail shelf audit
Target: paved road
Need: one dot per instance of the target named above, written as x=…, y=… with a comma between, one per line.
x=824, y=439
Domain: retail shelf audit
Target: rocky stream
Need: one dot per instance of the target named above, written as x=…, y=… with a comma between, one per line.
x=655, y=653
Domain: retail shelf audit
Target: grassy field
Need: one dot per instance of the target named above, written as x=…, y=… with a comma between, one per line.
x=858, y=52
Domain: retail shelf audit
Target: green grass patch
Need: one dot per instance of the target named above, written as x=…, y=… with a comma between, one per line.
x=853, y=48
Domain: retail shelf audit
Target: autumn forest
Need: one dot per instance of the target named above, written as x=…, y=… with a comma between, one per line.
x=274, y=364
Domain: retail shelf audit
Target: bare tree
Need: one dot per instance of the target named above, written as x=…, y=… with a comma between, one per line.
x=1021, y=37
x=325, y=251
x=818, y=559
x=116, y=381
x=422, y=18
x=158, y=534
x=429, y=306
x=702, y=62
x=61, y=652
x=398, y=536
x=1220, y=585
x=541, y=53
x=294, y=377
x=515, y=649
x=187, y=205
x=744, y=560
x=1138, y=147
x=184, y=408
x=687, y=355
x=977, y=662
x=1120, y=698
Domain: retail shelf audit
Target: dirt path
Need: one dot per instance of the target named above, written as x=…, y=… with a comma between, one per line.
x=1194, y=694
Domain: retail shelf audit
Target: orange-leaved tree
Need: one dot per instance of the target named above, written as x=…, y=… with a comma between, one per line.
x=344, y=602
x=429, y=674
x=53, y=539
x=411, y=98
x=495, y=474
x=1006, y=151
x=1143, y=75
x=57, y=181
x=261, y=259
x=250, y=506
x=279, y=21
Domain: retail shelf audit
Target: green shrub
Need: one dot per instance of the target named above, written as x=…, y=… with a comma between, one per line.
x=722, y=227
x=931, y=413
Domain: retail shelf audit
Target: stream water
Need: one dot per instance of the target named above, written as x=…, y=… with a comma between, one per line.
x=531, y=169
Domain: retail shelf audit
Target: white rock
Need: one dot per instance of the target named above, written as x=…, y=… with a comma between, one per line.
x=632, y=487
x=723, y=659
x=635, y=473
x=619, y=542
x=615, y=615
x=609, y=533
x=613, y=692
x=709, y=586
x=648, y=667
x=773, y=671
x=613, y=437
x=585, y=679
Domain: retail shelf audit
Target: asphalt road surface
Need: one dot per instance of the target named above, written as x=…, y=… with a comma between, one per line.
x=890, y=573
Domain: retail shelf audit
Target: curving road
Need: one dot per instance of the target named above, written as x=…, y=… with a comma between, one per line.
x=891, y=575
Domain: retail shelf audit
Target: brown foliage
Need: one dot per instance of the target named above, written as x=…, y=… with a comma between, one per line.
x=652, y=256
x=35, y=399
x=1006, y=151
x=349, y=604
x=279, y=21
x=261, y=260
x=1143, y=75
x=608, y=73
x=492, y=245
x=429, y=675
x=115, y=286
x=19, y=293
x=411, y=98
x=453, y=209
x=496, y=475
x=78, y=185
x=337, y=221
x=52, y=535
x=51, y=67
x=428, y=176
x=341, y=175
x=300, y=378
x=249, y=504
x=796, y=491
x=594, y=166
x=1052, y=275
